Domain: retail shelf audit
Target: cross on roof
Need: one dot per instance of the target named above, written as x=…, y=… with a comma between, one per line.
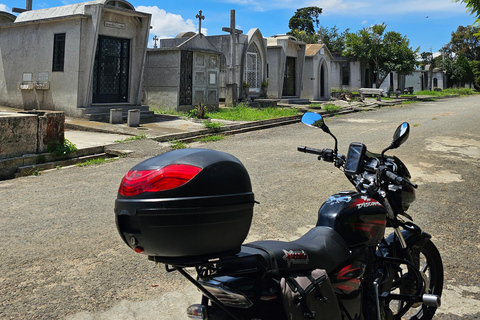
x=28, y=7
x=155, y=39
x=200, y=17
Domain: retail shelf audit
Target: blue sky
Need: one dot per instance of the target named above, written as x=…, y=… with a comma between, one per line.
x=427, y=24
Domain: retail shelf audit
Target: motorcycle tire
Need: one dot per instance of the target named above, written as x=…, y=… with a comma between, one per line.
x=431, y=268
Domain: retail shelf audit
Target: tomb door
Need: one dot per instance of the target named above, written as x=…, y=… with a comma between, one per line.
x=322, y=81
x=253, y=68
x=186, y=69
x=289, y=77
x=111, y=70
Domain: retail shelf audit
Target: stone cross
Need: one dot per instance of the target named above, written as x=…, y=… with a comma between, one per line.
x=233, y=43
x=28, y=7
x=200, y=18
x=155, y=39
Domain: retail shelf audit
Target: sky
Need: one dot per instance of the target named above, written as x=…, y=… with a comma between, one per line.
x=428, y=24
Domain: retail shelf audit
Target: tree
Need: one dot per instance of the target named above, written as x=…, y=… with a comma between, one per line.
x=473, y=6
x=462, y=73
x=466, y=42
x=334, y=41
x=302, y=24
x=384, y=51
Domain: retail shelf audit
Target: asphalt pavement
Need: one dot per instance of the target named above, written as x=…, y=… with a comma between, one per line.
x=62, y=257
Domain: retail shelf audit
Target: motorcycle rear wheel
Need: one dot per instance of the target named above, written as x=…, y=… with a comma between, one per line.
x=431, y=268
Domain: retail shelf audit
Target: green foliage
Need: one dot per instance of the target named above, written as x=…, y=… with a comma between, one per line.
x=61, y=149
x=212, y=138
x=473, y=6
x=384, y=51
x=304, y=19
x=458, y=70
x=176, y=145
x=331, y=108
x=217, y=126
x=466, y=41
x=142, y=136
x=446, y=92
x=241, y=112
x=95, y=162
x=334, y=40
x=475, y=66
x=304, y=36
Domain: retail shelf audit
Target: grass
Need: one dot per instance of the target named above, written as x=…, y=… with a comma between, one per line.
x=446, y=92
x=176, y=145
x=212, y=138
x=242, y=112
x=331, y=108
x=95, y=162
x=213, y=125
x=139, y=137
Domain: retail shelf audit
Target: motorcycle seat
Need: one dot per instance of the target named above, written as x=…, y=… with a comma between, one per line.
x=320, y=248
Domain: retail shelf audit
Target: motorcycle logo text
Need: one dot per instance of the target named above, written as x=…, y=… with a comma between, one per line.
x=295, y=257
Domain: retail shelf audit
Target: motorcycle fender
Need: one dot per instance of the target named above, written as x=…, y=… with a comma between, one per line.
x=414, y=237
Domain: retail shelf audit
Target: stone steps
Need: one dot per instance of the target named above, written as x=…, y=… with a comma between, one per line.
x=102, y=113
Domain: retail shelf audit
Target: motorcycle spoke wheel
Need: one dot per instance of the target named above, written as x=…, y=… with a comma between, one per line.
x=431, y=269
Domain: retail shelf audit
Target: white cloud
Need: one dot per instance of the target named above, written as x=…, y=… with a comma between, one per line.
x=166, y=25
x=3, y=7
x=359, y=7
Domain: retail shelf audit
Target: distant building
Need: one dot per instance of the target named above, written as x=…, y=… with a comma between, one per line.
x=286, y=58
x=316, y=73
x=81, y=58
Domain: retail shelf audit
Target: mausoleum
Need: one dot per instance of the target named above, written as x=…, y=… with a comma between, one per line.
x=82, y=59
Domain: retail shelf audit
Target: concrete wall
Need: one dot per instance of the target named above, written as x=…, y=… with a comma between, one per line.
x=26, y=55
x=161, y=79
x=278, y=49
x=23, y=133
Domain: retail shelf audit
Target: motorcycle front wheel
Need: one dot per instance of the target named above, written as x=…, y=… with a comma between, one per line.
x=431, y=270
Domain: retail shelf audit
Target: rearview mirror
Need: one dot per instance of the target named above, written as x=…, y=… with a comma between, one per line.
x=400, y=135
x=315, y=120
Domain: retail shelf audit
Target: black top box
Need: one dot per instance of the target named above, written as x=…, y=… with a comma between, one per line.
x=185, y=204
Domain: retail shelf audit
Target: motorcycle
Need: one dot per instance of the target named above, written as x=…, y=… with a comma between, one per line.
x=343, y=268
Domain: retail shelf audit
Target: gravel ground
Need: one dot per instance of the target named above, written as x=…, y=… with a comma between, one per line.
x=63, y=258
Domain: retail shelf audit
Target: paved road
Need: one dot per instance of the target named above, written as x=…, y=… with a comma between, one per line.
x=61, y=256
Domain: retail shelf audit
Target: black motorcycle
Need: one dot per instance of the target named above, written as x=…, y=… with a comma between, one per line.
x=192, y=208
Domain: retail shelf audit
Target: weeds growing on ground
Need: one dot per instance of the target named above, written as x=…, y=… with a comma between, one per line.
x=242, y=112
x=139, y=137
x=331, y=108
x=176, y=145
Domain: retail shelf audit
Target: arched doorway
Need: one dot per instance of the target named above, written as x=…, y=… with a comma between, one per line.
x=253, y=68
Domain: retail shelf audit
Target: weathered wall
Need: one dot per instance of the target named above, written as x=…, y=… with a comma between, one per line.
x=24, y=133
x=161, y=79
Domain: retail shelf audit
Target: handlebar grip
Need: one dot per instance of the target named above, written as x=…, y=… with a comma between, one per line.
x=306, y=149
x=397, y=179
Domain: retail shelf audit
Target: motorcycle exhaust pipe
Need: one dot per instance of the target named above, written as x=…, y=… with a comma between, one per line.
x=431, y=300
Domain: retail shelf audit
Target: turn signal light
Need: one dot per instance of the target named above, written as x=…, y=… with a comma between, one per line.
x=172, y=176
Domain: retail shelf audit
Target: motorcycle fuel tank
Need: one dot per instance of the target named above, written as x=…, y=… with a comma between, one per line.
x=360, y=220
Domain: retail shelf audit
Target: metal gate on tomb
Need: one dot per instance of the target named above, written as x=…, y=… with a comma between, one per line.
x=186, y=68
x=111, y=70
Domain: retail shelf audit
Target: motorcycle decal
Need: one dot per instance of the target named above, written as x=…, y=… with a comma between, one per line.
x=371, y=228
x=338, y=199
x=347, y=280
x=365, y=202
x=295, y=257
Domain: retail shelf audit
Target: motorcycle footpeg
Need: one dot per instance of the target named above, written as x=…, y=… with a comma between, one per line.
x=431, y=300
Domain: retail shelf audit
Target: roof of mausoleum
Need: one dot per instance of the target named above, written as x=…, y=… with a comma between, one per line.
x=69, y=10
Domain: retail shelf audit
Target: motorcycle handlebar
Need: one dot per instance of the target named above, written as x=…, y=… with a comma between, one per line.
x=396, y=179
x=306, y=149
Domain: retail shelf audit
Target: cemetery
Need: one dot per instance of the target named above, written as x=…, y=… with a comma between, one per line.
x=101, y=62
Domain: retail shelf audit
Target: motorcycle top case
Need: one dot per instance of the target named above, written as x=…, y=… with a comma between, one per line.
x=184, y=205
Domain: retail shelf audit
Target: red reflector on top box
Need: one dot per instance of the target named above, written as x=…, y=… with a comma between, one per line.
x=186, y=204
